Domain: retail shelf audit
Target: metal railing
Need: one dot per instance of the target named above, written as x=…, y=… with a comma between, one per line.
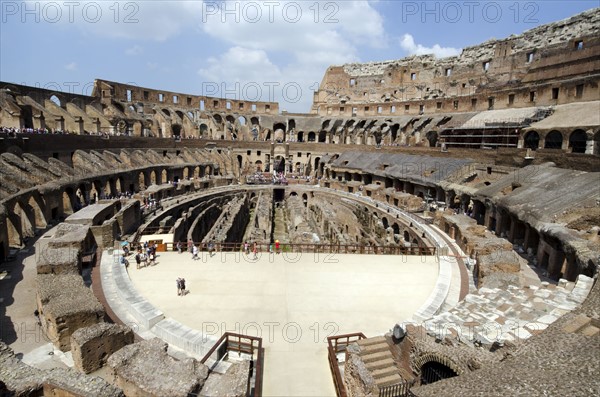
x=338, y=344
x=401, y=389
x=238, y=343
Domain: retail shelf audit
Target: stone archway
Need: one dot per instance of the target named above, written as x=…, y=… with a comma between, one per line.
x=531, y=140
x=578, y=141
x=431, y=367
x=554, y=140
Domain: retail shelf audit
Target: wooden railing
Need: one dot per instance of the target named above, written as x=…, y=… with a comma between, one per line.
x=232, y=342
x=338, y=344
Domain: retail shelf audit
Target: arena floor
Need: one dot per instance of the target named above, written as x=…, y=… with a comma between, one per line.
x=293, y=301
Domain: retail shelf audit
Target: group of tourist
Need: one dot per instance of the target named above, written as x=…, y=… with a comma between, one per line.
x=280, y=179
x=145, y=255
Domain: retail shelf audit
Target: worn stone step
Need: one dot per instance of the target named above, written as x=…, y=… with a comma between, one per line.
x=385, y=372
x=389, y=380
x=377, y=356
x=379, y=364
x=371, y=341
x=380, y=347
x=590, y=330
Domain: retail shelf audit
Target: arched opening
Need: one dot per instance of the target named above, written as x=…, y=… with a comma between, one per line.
x=433, y=371
x=180, y=114
x=396, y=228
x=305, y=199
x=532, y=140
x=242, y=120
x=166, y=111
x=176, y=130
x=141, y=181
x=578, y=141
x=163, y=176
x=218, y=119
x=597, y=143
x=13, y=228
x=554, y=140
x=38, y=215
x=325, y=124
x=259, y=166
x=406, y=236
x=322, y=136
x=119, y=185
x=67, y=199
x=432, y=137
x=203, y=130
x=311, y=136
x=300, y=136
x=56, y=101
x=279, y=164
x=153, y=177
x=254, y=121
x=385, y=222
x=240, y=161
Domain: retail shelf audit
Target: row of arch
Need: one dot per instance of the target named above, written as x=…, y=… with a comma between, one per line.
x=577, y=140
x=32, y=211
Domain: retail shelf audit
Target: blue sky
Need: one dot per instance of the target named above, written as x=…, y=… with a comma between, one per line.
x=276, y=50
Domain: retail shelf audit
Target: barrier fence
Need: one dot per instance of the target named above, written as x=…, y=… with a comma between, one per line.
x=232, y=342
x=297, y=248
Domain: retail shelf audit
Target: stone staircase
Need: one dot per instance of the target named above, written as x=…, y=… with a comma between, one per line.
x=377, y=357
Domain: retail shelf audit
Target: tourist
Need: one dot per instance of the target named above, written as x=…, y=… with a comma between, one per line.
x=178, y=286
x=124, y=261
x=138, y=259
x=183, y=291
x=246, y=248
x=211, y=247
x=255, y=250
x=277, y=246
x=190, y=244
x=195, y=251
x=179, y=247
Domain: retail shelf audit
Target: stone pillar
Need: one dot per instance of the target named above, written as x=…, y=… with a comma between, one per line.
x=79, y=122
x=60, y=123
x=589, y=146
x=272, y=159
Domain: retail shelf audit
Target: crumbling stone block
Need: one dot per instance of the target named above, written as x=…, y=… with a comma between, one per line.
x=91, y=346
x=145, y=369
x=65, y=260
x=65, y=304
x=67, y=382
x=234, y=383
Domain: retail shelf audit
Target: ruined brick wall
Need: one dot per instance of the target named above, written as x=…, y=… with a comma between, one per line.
x=540, y=60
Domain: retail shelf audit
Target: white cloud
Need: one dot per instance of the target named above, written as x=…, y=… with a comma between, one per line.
x=241, y=65
x=408, y=44
x=134, y=51
x=288, y=44
x=71, y=66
